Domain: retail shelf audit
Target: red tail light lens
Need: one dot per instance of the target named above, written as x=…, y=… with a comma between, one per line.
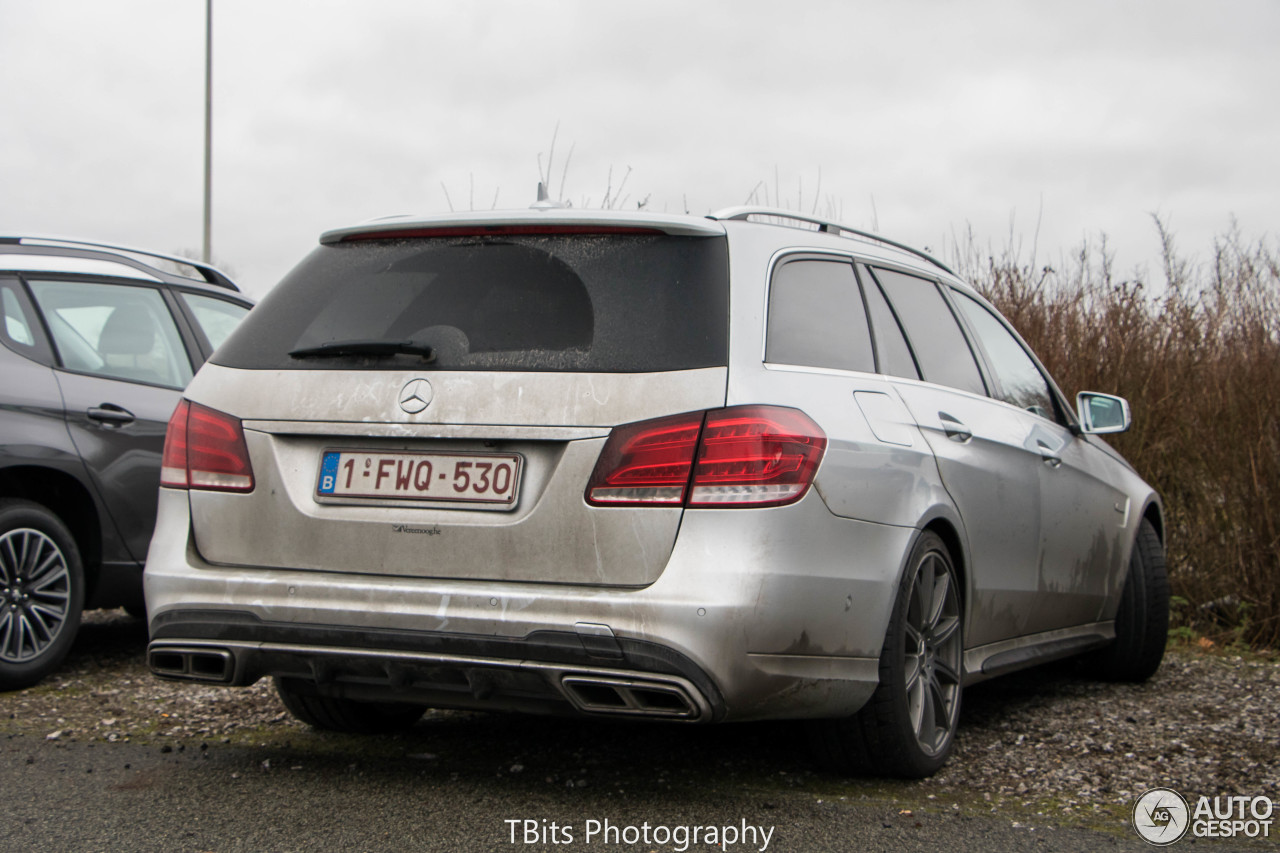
x=736, y=457
x=756, y=456
x=646, y=463
x=173, y=462
x=205, y=449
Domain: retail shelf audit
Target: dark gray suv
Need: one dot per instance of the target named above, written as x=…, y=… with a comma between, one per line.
x=98, y=343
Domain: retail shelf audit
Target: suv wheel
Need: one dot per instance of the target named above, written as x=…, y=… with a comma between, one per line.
x=346, y=715
x=908, y=727
x=1142, y=622
x=41, y=592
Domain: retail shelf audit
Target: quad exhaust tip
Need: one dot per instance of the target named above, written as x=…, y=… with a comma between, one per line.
x=192, y=664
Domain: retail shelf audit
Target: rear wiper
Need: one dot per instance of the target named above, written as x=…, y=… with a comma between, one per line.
x=373, y=348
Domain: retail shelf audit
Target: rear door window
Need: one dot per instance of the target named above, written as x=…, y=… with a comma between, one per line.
x=817, y=318
x=892, y=353
x=114, y=330
x=939, y=345
x=561, y=302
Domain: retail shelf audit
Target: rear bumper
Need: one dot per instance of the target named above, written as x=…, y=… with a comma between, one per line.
x=548, y=673
x=777, y=616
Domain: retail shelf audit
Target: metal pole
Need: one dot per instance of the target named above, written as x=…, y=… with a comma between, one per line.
x=207, y=254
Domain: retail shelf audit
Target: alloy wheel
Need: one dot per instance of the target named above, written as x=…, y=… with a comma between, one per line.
x=932, y=650
x=35, y=593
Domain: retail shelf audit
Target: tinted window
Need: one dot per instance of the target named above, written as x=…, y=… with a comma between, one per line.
x=217, y=318
x=616, y=303
x=932, y=330
x=1021, y=382
x=816, y=317
x=894, y=355
x=114, y=330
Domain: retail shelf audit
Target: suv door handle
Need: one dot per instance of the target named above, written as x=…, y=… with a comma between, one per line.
x=955, y=430
x=111, y=415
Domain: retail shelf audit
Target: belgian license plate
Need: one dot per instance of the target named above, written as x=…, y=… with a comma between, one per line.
x=475, y=478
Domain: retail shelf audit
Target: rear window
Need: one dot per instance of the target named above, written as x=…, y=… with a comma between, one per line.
x=584, y=303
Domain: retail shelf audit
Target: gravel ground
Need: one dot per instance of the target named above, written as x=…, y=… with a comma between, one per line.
x=1207, y=724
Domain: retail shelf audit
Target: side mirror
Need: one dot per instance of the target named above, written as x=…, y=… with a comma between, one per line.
x=1102, y=413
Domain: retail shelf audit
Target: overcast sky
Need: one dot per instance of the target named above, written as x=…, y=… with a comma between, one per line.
x=919, y=119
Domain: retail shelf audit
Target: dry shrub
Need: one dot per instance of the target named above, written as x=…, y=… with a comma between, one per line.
x=1198, y=358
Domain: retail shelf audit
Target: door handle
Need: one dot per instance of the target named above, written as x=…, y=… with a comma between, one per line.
x=1048, y=454
x=955, y=430
x=111, y=415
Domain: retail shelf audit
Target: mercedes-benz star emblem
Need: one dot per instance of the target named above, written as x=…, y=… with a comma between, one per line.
x=416, y=396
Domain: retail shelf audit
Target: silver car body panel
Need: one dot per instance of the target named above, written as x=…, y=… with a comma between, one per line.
x=540, y=540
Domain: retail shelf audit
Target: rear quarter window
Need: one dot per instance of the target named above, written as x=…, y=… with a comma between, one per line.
x=216, y=318
x=587, y=303
x=817, y=318
x=19, y=329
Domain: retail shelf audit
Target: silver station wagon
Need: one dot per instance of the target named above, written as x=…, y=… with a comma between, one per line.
x=748, y=466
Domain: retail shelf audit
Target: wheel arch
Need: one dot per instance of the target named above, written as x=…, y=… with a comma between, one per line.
x=1154, y=513
x=950, y=536
x=66, y=497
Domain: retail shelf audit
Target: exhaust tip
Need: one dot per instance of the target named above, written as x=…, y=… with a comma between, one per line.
x=192, y=664
x=632, y=698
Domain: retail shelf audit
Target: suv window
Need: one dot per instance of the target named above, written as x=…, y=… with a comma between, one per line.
x=892, y=353
x=19, y=329
x=590, y=303
x=217, y=318
x=1021, y=382
x=816, y=317
x=932, y=330
x=114, y=330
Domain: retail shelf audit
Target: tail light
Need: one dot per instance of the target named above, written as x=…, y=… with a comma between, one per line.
x=741, y=456
x=647, y=463
x=205, y=449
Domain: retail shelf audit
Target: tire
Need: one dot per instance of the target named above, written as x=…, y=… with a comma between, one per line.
x=41, y=592
x=1142, y=620
x=908, y=727
x=346, y=715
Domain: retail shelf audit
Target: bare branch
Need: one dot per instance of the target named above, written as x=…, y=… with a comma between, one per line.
x=564, y=174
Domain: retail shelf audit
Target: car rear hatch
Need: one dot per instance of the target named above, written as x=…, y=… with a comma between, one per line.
x=429, y=399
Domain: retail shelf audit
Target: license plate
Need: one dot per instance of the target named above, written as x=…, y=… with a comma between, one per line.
x=474, y=478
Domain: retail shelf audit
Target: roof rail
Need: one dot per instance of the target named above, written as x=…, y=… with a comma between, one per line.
x=744, y=214
x=209, y=273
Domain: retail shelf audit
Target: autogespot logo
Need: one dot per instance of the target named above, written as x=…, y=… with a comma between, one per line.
x=1161, y=816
